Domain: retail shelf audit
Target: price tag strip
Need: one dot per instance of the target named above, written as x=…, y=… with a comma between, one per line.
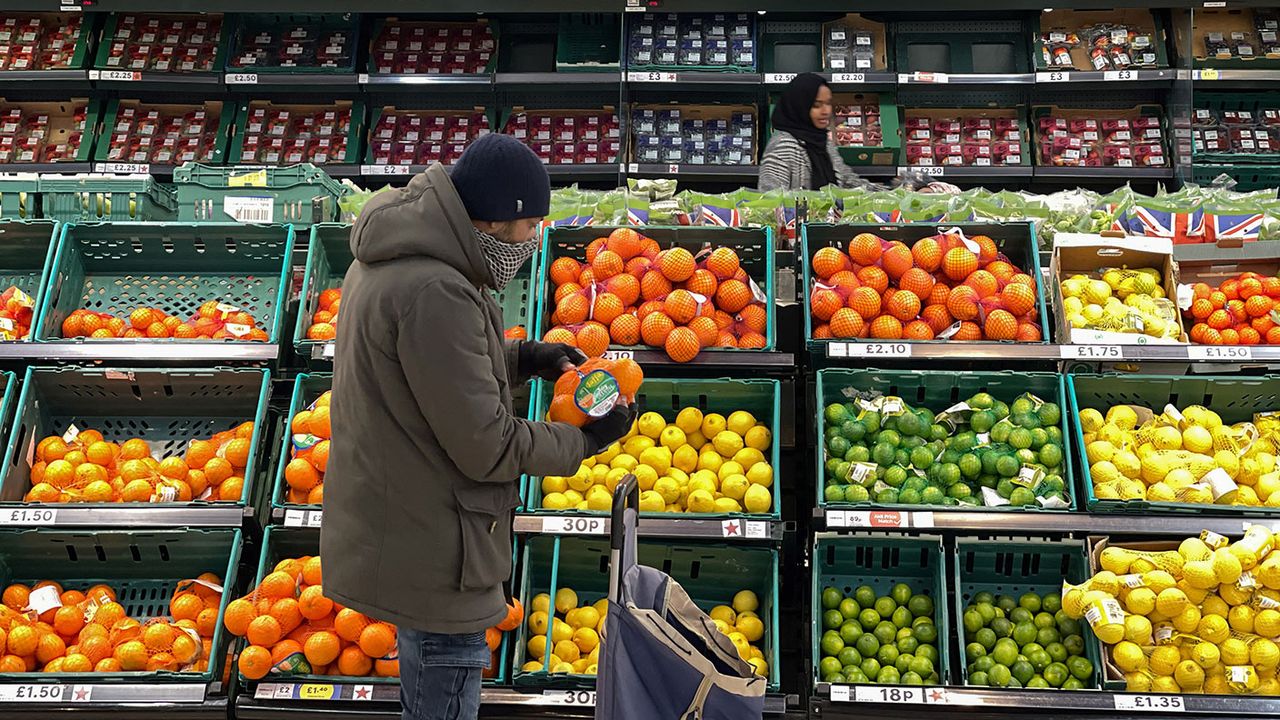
x=320, y=692
x=28, y=516
x=651, y=77
x=1223, y=353
x=1091, y=352
x=868, y=349
x=74, y=694
x=573, y=525
x=1149, y=703
x=890, y=694
x=303, y=518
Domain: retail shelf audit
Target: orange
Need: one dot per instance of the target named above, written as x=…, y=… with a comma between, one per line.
x=655, y=328
x=254, y=662
x=593, y=339
x=287, y=613
x=313, y=604
x=142, y=318
x=72, y=597
x=564, y=270
x=137, y=491
x=1018, y=299
x=185, y=650
x=132, y=656
x=820, y=332
x=322, y=648
x=724, y=263
x=265, y=630
x=962, y=302
x=846, y=323
x=984, y=282
x=626, y=287
x=377, y=640
x=1000, y=325
x=60, y=474
x=315, y=496
x=917, y=281
x=927, y=254
x=135, y=449
x=237, y=452
x=349, y=624
x=828, y=261
x=354, y=663
x=865, y=301
x=1003, y=271
x=90, y=323
x=16, y=596
x=886, y=327
x=319, y=457
x=987, y=250
x=937, y=317
x=917, y=330
x=158, y=636
x=197, y=481
x=753, y=316
x=218, y=470
x=1028, y=333
x=625, y=329
x=682, y=345
x=174, y=468
x=311, y=571
x=896, y=260
x=107, y=665
x=244, y=431
x=68, y=620
x=239, y=614
x=100, y=453
x=676, y=264
x=186, y=606
x=283, y=649
x=607, y=307
x=95, y=648
x=703, y=282
x=681, y=306
x=301, y=475
x=560, y=335
x=733, y=295
x=904, y=305
x=649, y=307
x=23, y=640
x=959, y=263
x=654, y=285
x=606, y=264
x=386, y=668
x=42, y=493
x=626, y=242
x=72, y=326
x=865, y=248
x=319, y=424
x=108, y=613
x=277, y=585
x=874, y=278
x=1230, y=336
x=134, y=470
x=823, y=303
x=207, y=622
x=705, y=329
x=329, y=296
x=563, y=409
x=566, y=290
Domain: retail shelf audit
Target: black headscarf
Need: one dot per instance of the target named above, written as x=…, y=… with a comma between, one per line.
x=792, y=115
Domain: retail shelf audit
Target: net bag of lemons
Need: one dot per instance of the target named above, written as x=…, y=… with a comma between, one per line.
x=1121, y=300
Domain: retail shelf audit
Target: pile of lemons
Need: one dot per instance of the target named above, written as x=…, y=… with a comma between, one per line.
x=1201, y=618
x=700, y=463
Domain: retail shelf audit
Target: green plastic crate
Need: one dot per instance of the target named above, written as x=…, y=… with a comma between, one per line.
x=144, y=567
x=380, y=22
x=754, y=247
x=306, y=388
x=20, y=196
x=1246, y=177
x=961, y=39
x=846, y=562
x=26, y=255
x=1236, y=399
x=118, y=267
x=300, y=194
x=1016, y=240
x=710, y=573
x=247, y=24
x=668, y=397
x=1252, y=102
x=83, y=37
x=588, y=42
x=92, y=198
x=167, y=408
x=279, y=543
x=938, y=390
x=109, y=32
x=224, y=112
x=1013, y=568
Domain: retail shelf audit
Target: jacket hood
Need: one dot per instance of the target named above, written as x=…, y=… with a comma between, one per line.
x=426, y=219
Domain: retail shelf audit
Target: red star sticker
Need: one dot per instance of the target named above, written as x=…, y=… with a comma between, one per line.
x=731, y=528
x=935, y=695
x=362, y=693
x=82, y=693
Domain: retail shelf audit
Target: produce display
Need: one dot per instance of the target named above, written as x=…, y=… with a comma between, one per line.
x=411, y=48
x=1106, y=46
x=1027, y=641
x=856, y=124
x=287, y=135
x=1242, y=132
x=693, y=135
x=49, y=628
x=1241, y=310
x=34, y=41
x=16, y=314
x=164, y=43
x=848, y=49
x=308, y=44
x=720, y=40
x=1200, y=616
x=81, y=466
x=945, y=287
x=1101, y=138
x=1246, y=43
x=577, y=629
x=963, y=138
x=568, y=137
x=421, y=137
x=888, y=639
x=163, y=134
x=979, y=452
x=1185, y=455
x=1122, y=300
x=629, y=291
x=213, y=320
x=42, y=132
x=309, y=452
x=324, y=321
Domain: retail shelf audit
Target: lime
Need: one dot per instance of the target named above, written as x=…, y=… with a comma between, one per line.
x=1039, y=659
x=854, y=676
x=853, y=430
x=949, y=456
x=1022, y=405
x=978, y=678
x=921, y=458
x=1024, y=633
x=1038, y=438
x=883, y=454
x=1022, y=497
x=1030, y=601
x=835, y=679
x=970, y=465
x=869, y=618
x=920, y=605
x=870, y=667
x=1005, y=652
x=838, y=446
x=984, y=597
x=895, y=475
x=981, y=421
x=973, y=651
x=1055, y=674
x=1002, y=627
x=902, y=457
x=856, y=494
x=931, y=496
x=1057, y=652
x=999, y=676
x=888, y=496
x=830, y=432
x=834, y=493
x=1049, y=414
x=890, y=437
x=1037, y=682
x=1020, y=438
x=831, y=598
x=966, y=440
x=829, y=666
x=1055, y=435
x=1006, y=604
x=949, y=474
x=885, y=606
x=938, y=432
x=831, y=643
x=1019, y=615
x=1001, y=409
x=832, y=620
x=888, y=676
x=1007, y=466
x=901, y=593
x=903, y=663
x=911, y=678
x=987, y=611
x=858, y=453
x=901, y=617
x=909, y=497
x=848, y=656
x=848, y=607
x=982, y=401
x=887, y=654
x=1047, y=636
x=1074, y=644
x=1000, y=432
x=1080, y=667
x=909, y=424
x=867, y=645
x=864, y=596
x=959, y=491
x=1066, y=625
x=928, y=651
x=1028, y=421
x=871, y=420
x=1050, y=455
x=836, y=414
x=850, y=631
x=1029, y=648
x=983, y=664
x=926, y=633
x=1073, y=683
x=922, y=666
x=908, y=644
x=886, y=632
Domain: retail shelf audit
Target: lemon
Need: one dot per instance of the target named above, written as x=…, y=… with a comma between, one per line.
x=740, y=422
x=586, y=638
x=1205, y=654
x=727, y=505
x=598, y=474
x=1127, y=464
x=1164, y=684
x=1197, y=439
x=1214, y=605
x=748, y=457
x=555, y=501
x=1099, y=450
x=689, y=420
x=760, y=666
x=1170, y=601
x=727, y=443
x=636, y=446
x=651, y=501
x=1199, y=574
x=645, y=476
x=1241, y=618
x=729, y=468
x=1189, y=676
x=1213, y=628
x=1107, y=491
x=758, y=437
x=555, y=484
x=561, y=668
x=712, y=424
x=588, y=617
x=1269, y=686
x=567, y=651
x=1264, y=654
x=685, y=458
x=667, y=488
x=680, y=476
x=1167, y=438
x=745, y=601
x=701, y=501
x=658, y=458
x=651, y=424
x=672, y=437
x=1164, y=660
x=574, y=497
x=1090, y=420
x=696, y=441
x=1140, y=601
x=566, y=600
x=600, y=502
x=1179, y=478
x=1187, y=620
x=1161, y=492
x=709, y=459
x=704, y=479
x=1228, y=461
x=1226, y=566
x=1137, y=629
x=1097, y=291
x=1105, y=581
x=613, y=478
x=1122, y=416
x=1193, y=548
x=1128, y=656
x=757, y=499
x=1137, y=682
x=741, y=643
x=625, y=462
x=734, y=486
x=538, y=647
x=1104, y=472
x=761, y=474
x=1234, y=651
x=1267, y=623
x=724, y=614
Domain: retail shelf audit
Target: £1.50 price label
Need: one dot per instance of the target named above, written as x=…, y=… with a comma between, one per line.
x=28, y=516
x=32, y=693
x=1228, y=353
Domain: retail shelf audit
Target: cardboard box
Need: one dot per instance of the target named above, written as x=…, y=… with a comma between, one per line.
x=1073, y=21
x=933, y=115
x=1082, y=253
x=1226, y=22
x=853, y=24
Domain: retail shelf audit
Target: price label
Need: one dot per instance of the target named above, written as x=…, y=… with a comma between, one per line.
x=31, y=693
x=839, y=693
x=866, y=693
x=116, y=75
x=1206, y=74
x=249, y=209
x=877, y=349
x=876, y=519
x=1111, y=75
x=1149, y=703
x=573, y=525
x=28, y=516
x=929, y=170
x=836, y=518
x=303, y=518
x=575, y=698
x=848, y=78
x=651, y=77
x=327, y=351
x=619, y=355
x=1229, y=353
x=779, y=78
x=1215, y=3
x=315, y=691
x=1090, y=352
x=928, y=78
x=384, y=170
x=242, y=78
x=1055, y=76
x=123, y=168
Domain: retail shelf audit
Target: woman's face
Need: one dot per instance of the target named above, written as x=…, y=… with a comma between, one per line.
x=820, y=111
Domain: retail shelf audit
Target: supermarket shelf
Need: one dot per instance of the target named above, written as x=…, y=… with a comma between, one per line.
x=1128, y=77
x=40, y=695
x=600, y=171
x=684, y=80
x=718, y=172
x=935, y=78
x=123, y=515
x=711, y=360
x=35, y=79
x=649, y=526
x=73, y=167
x=121, y=78
x=837, y=80
x=850, y=701
x=577, y=79
x=1101, y=173
x=991, y=172
x=297, y=516
x=140, y=351
x=410, y=83
x=1217, y=78
x=1190, y=523
x=1218, y=354
x=239, y=80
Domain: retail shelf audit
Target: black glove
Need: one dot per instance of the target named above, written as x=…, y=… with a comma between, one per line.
x=547, y=360
x=610, y=428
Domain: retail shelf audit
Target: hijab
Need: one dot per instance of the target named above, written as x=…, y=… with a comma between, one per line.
x=791, y=114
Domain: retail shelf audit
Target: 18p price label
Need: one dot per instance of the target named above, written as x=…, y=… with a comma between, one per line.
x=1149, y=703
x=863, y=693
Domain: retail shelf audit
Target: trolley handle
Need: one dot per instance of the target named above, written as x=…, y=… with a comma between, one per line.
x=625, y=496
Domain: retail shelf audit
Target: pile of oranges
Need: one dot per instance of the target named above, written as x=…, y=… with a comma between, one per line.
x=941, y=287
x=16, y=311
x=46, y=628
x=324, y=323
x=290, y=625
x=1244, y=310
x=84, y=467
x=563, y=407
x=630, y=291
x=213, y=321
x=309, y=453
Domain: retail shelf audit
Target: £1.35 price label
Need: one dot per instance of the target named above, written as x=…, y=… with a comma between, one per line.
x=1149, y=703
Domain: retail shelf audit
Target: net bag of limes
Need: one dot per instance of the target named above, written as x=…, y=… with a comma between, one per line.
x=663, y=658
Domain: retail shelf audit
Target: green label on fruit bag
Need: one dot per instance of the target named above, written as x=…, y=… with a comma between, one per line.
x=597, y=393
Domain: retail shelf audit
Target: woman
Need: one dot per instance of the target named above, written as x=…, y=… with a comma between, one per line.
x=801, y=154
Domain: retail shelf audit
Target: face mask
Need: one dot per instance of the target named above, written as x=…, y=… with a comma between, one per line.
x=504, y=259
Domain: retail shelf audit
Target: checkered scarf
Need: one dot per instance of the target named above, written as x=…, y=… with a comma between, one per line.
x=504, y=259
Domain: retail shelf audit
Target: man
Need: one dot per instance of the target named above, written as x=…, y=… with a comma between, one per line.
x=422, y=481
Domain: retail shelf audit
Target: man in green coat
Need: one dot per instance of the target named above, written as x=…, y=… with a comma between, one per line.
x=421, y=481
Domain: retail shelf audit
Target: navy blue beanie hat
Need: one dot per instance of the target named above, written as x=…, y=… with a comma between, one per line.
x=499, y=178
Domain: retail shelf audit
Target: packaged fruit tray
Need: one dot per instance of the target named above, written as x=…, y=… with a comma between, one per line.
x=92, y=198
x=736, y=586
x=292, y=550
x=152, y=576
x=1213, y=443
x=855, y=407
x=173, y=416
x=26, y=251
x=668, y=274
x=296, y=194
x=227, y=276
x=853, y=274
x=742, y=417
x=1021, y=583
x=890, y=590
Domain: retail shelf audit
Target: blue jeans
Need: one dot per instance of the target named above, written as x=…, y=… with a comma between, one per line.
x=440, y=674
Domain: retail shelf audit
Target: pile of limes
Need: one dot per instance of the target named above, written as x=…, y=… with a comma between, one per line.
x=1028, y=642
x=888, y=639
